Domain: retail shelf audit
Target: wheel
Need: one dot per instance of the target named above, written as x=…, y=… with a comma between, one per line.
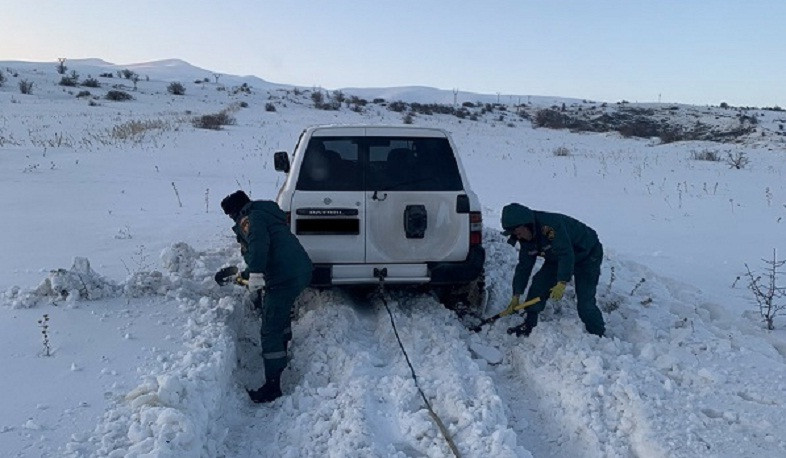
x=469, y=298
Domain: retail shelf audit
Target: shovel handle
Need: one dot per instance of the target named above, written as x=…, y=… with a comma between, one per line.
x=506, y=312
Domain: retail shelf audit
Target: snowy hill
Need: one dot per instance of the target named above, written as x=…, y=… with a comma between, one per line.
x=112, y=229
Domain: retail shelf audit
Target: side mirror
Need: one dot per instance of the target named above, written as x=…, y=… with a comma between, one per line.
x=281, y=161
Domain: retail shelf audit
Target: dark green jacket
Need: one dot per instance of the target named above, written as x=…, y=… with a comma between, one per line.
x=557, y=238
x=267, y=244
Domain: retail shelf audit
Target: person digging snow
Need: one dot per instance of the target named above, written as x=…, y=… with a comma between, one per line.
x=278, y=266
x=569, y=247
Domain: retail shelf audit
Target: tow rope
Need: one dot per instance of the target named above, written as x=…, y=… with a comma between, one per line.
x=442, y=429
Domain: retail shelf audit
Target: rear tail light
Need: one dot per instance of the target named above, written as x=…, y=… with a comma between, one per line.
x=475, y=228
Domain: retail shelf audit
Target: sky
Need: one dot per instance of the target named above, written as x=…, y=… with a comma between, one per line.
x=698, y=52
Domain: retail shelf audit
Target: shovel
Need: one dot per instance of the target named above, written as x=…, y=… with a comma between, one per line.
x=229, y=275
x=506, y=312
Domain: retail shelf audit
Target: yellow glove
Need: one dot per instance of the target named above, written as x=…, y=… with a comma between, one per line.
x=514, y=301
x=557, y=291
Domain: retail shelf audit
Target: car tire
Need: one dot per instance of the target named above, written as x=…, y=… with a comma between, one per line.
x=467, y=298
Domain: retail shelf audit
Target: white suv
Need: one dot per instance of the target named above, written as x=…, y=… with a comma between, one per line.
x=385, y=201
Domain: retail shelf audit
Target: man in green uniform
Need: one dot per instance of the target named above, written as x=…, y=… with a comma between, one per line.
x=279, y=266
x=569, y=247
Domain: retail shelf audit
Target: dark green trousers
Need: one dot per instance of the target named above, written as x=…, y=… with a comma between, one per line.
x=585, y=276
x=276, y=329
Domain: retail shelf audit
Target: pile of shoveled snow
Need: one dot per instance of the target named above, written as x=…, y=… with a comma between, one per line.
x=172, y=412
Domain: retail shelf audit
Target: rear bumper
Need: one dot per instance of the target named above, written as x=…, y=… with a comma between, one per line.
x=433, y=273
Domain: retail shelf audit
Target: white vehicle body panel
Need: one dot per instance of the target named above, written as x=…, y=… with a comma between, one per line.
x=378, y=236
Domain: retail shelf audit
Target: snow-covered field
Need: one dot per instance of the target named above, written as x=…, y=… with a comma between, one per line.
x=111, y=228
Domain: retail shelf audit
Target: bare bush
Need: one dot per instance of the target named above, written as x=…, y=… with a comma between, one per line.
x=134, y=129
x=551, y=119
x=91, y=82
x=26, y=87
x=397, y=106
x=176, y=88
x=213, y=121
x=770, y=295
x=561, y=151
x=71, y=80
x=705, y=155
x=2, y=78
x=118, y=96
x=737, y=161
x=270, y=107
x=127, y=74
x=318, y=98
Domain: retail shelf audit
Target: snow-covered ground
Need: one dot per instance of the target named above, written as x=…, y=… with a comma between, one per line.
x=111, y=228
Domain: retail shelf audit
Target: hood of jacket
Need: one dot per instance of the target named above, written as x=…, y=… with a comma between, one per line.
x=270, y=208
x=514, y=215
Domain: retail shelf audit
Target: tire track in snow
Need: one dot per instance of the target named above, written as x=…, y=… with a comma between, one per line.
x=349, y=391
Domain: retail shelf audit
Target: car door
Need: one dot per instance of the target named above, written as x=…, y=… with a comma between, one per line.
x=412, y=192
x=328, y=205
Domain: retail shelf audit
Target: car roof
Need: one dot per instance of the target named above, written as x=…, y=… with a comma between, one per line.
x=372, y=130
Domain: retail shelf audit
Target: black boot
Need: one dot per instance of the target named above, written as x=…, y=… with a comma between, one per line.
x=525, y=328
x=268, y=392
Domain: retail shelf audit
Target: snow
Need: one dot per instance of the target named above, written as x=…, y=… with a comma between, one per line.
x=115, y=234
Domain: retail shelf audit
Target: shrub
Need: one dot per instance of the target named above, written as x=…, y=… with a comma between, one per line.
x=355, y=100
x=106, y=75
x=397, y=106
x=270, y=107
x=71, y=80
x=561, y=151
x=26, y=87
x=83, y=94
x=408, y=118
x=550, y=118
x=243, y=104
x=378, y=101
x=768, y=291
x=126, y=73
x=68, y=81
x=671, y=135
x=213, y=121
x=135, y=129
x=91, y=82
x=118, y=96
x=318, y=98
x=2, y=78
x=338, y=96
x=176, y=88
x=737, y=161
x=705, y=155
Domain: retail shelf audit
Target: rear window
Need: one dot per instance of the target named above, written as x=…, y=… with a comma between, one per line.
x=379, y=164
x=331, y=164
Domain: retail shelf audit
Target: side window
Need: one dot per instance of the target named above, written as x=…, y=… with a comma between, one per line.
x=330, y=164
